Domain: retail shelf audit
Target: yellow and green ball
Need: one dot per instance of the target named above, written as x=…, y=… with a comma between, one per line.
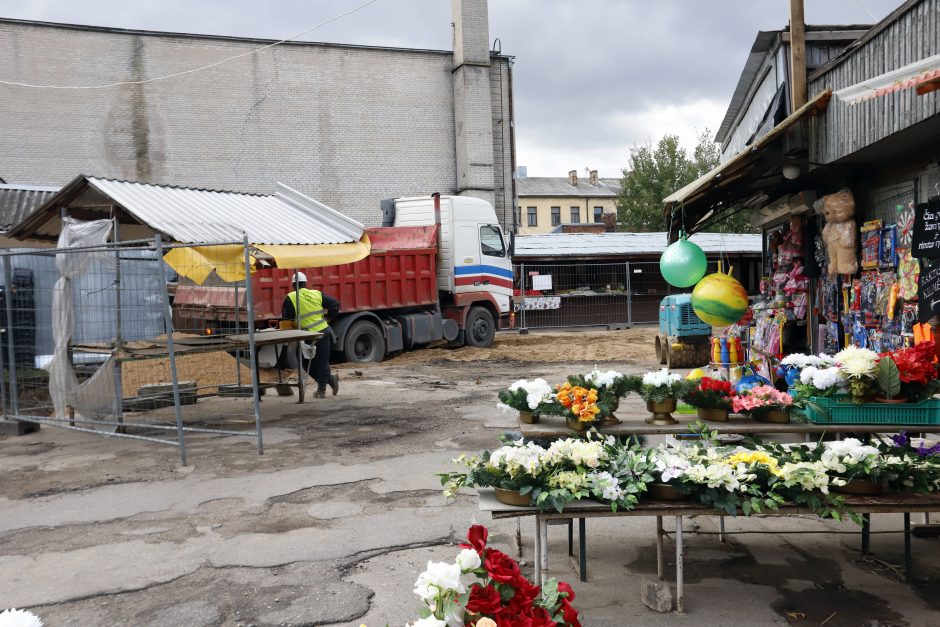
x=719, y=300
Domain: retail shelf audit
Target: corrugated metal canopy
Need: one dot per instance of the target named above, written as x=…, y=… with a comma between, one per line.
x=560, y=186
x=200, y=216
x=625, y=244
x=18, y=201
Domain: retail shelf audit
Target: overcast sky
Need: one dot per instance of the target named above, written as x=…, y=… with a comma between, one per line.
x=592, y=77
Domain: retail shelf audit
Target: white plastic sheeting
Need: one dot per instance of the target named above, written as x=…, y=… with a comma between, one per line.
x=75, y=234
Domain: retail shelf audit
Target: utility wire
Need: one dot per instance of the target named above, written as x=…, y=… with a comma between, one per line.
x=875, y=19
x=194, y=70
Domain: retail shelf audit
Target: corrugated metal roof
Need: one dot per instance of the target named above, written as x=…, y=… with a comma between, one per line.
x=18, y=201
x=559, y=186
x=199, y=215
x=618, y=244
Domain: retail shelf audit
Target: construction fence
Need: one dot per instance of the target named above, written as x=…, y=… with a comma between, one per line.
x=589, y=294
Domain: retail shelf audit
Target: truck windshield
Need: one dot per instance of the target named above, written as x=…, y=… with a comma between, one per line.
x=491, y=241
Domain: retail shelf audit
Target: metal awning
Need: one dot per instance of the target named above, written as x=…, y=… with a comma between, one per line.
x=732, y=182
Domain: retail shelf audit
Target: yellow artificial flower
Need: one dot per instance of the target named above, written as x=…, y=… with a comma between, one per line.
x=754, y=457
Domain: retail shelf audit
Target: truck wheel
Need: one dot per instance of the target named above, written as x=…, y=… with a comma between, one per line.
x=364, y=343
x=481, y=329
x=678, y=357
x=661, y=345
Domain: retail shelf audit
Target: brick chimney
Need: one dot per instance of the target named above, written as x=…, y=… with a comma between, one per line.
x=593, y=177
x=573, y=177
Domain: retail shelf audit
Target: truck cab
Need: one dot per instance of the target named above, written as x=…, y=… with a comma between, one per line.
x=474, y=276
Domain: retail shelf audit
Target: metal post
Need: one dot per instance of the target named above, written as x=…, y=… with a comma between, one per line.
x=721, y=527
x=519, y=535
x=629, y=289
x=523, y=329
x=11, y=354
x=118, y=333
x=252, y=349
x=537, y=558
x=238, y=353
x=3, y=384
x=660, y=566
x=168, y=323
x=680, y=601
x=908, y=560
x=543, y=558
x=582, y=549
x=301, y=371
x=866, y=533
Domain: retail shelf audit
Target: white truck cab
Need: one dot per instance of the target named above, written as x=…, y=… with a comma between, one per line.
x=473, y=252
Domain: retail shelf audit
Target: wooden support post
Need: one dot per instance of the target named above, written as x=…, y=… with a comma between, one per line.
x=798, y=95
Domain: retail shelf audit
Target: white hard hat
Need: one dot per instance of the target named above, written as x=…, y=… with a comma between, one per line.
x=299, y=277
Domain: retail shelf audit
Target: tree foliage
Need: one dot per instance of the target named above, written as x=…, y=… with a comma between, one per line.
x=655, y=172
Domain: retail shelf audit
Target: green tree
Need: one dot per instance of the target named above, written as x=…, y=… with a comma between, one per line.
x=655, y=172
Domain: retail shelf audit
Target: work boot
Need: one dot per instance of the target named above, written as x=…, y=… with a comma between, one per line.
x=321, y=391
x=334, y=384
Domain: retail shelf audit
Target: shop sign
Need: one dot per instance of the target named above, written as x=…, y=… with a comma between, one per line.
x=926, y=237
x=928, y=291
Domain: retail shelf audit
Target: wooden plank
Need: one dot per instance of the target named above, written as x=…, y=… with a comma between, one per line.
x=797, y=55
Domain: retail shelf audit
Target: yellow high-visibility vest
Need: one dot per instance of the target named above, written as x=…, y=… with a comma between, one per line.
x=310, y=311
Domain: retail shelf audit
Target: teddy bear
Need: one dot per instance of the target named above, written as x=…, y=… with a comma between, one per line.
x=840, y=232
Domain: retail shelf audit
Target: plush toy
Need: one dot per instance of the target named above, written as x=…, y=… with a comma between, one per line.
x=840, y=232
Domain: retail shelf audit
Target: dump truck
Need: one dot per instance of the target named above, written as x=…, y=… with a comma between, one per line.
x=439, y=269
x=683, y=339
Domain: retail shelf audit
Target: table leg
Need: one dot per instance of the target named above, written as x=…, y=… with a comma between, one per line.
x=537, y=555
x=519, y=535
x=680, y=601
x=908, y=560
x=660, y=570
x=866, y=534
x=543, y=531
x=721, y=529
x=570, y=537
x=582, y=550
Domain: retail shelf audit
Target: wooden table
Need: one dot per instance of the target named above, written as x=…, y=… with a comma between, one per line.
x=886, y=504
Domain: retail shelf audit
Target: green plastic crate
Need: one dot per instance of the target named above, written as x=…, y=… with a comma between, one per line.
x=842, y=411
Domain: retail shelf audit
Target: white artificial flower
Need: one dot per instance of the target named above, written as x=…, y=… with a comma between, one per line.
x=19, y=618
x=797, y=360
x=454, y=617
x=600, y=379
x=468, y=560
x=851, y=447
x=670, y=465
x=825, y=378
x=661, y=378
x=439, y=577
x=606, y=484
x=430, y=621
x=807, y=374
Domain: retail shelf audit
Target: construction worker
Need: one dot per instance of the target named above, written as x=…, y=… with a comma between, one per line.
x=315, y=310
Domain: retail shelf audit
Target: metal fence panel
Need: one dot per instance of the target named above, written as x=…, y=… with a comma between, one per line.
x=572, y=295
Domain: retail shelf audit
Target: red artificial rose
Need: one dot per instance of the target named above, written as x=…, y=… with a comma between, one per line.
x=526, y=591
x=564, y=586
x=501, y=567
x=570, y=615
x=541, y=618
x=476, y=536
x=484, y=600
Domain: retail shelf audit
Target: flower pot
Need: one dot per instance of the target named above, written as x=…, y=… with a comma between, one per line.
x=771, y=415
x=661, y=411
x=512, y=497
x=895, y=400
x=861, y=487
x=666, y=492
x=576, y=425
x=714, y=415
x=526, y=417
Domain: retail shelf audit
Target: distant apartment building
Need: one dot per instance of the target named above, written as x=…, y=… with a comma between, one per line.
x=548, y=203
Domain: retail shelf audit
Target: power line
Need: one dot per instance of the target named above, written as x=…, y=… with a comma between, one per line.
x=194, y=70
x=867, y=11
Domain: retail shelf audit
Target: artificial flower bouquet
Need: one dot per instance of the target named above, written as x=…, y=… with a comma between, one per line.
x=606, y=470
x=711, y=393
x=908, y=374
x=499, y=595
x=858, y=367
x=525, y=396
x=580, y=406
x=759, y=401
x=662, y=385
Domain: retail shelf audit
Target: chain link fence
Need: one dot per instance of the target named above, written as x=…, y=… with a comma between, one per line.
x=591, y=294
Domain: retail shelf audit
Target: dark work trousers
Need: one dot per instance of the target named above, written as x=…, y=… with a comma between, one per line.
x=319, y=366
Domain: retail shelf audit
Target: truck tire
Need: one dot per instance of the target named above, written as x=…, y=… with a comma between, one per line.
x=364, y=343
x=481, y=328
x=662, y=347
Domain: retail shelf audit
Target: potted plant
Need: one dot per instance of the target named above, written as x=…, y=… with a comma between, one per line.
x=907, y=375
x=525, y=397
x=764, y=403
x=711, y=398
x=513, y=470
x=661, y=390
x=610, y=385
x=581, y=407
x=859, y=367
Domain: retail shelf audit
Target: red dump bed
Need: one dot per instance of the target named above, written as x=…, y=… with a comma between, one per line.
x=401, y=271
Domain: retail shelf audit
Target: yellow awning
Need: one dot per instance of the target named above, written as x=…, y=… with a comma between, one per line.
x=228, y=261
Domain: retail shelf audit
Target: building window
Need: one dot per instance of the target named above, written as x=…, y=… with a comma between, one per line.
x=576, y=215
x=533, y=216
x=598, y=214
x=556, y=216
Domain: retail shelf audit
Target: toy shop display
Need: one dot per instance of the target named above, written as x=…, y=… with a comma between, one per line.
x=840, y=232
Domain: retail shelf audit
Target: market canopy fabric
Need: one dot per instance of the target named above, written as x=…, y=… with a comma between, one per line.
x=286, y=229
x=710, y=194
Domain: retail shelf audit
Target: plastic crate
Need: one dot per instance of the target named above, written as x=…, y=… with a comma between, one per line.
x=842, y=411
